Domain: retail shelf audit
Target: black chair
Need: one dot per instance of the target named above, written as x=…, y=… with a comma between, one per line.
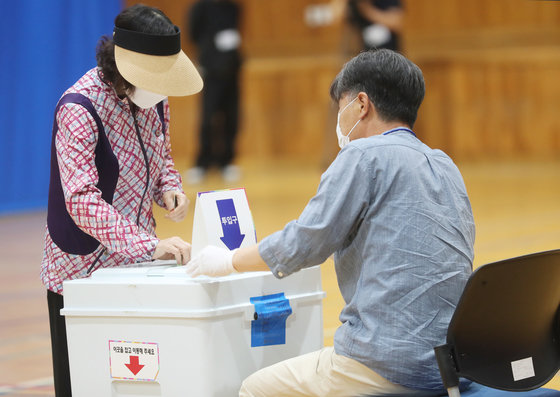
x=505, y=332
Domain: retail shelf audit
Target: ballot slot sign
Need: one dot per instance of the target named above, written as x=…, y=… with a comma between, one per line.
x=134, y=360
x=222, y=218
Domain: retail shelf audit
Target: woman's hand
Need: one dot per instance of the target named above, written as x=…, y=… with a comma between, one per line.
x=177, y=204
x=173, y=247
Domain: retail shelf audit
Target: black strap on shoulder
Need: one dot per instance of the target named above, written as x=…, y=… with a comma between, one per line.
x=62, y=228
x=161, y=114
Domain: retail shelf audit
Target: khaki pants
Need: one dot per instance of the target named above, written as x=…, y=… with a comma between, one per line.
x=322, y=373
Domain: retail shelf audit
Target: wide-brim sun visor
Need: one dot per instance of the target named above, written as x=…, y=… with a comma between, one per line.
x=155, y=63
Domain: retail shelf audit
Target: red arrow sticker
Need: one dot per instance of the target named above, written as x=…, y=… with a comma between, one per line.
x=134, y=366
x=134, y=360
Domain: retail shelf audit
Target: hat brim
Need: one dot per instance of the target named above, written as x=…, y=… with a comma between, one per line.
x=169, y=75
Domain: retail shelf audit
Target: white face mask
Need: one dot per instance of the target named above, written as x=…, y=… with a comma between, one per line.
x=145, y=99
x=344, y=140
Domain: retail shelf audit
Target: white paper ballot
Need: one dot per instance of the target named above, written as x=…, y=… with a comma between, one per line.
x=222, y=218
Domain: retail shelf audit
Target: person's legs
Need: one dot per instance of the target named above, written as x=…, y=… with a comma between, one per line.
x=61, y=366
x=231, y=119
x=207, y=133
x=211, y=97
x=299, y=376
x=323, y=374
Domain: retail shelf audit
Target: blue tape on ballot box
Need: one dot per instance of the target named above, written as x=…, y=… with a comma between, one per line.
x=269, y=326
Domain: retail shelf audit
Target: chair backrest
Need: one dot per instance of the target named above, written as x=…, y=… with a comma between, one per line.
x=505, y=332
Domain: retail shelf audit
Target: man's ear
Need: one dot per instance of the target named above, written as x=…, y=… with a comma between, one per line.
x=366, y=106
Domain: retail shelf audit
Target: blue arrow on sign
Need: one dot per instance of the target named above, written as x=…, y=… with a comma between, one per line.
x=230, y=224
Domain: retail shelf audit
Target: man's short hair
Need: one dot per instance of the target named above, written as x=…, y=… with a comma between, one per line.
x=393, y=83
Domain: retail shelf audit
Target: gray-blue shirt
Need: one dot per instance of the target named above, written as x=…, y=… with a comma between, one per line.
x=397, y=217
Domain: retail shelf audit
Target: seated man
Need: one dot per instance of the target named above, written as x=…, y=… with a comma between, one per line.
x=397, y=217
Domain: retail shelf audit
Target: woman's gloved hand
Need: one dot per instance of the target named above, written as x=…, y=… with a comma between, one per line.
x=211, y=261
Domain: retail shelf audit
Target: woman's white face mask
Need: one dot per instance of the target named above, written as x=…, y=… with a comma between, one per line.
x=145, y=99
x=344, y=140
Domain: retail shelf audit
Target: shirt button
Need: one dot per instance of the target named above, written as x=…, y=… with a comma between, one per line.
x=280, y=274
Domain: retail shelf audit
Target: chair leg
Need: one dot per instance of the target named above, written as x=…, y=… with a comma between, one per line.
x=453, y=392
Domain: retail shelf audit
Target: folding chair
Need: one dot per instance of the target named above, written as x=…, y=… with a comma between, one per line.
x=505, y=332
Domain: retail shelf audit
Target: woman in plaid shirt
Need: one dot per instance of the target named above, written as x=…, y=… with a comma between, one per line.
x=111, y=160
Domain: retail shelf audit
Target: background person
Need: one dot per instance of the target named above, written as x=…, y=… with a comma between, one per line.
x=397, y=217
x=378, y=22
x=111, y=159
x=213, y=26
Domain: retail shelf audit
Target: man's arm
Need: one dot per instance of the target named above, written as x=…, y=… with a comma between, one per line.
x=248, y=259
x=219, y=261
x=321, y=229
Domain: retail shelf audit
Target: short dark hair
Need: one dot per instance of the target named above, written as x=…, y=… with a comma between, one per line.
x=139, y=18
x=393, y=83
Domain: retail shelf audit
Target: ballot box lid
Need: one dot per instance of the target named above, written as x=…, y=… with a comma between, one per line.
x=163, y=289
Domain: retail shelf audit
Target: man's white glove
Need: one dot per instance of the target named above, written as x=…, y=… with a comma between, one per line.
x=212, y=261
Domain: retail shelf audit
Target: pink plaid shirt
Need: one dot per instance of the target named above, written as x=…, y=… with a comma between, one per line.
x=113, y=225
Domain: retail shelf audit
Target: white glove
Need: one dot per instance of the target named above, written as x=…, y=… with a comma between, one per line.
x=212, y=261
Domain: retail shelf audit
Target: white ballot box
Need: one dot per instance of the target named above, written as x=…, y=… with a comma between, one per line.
x=154, y=331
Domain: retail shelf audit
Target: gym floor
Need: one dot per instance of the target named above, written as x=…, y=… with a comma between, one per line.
x=515, y=204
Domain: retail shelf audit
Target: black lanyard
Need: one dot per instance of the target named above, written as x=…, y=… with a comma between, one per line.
x=146, y=161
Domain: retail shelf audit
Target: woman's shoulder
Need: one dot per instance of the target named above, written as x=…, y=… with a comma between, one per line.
x=91, y=86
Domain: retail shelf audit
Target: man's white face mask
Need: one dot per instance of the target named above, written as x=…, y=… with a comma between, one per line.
x=145, y=99
x=343, y=140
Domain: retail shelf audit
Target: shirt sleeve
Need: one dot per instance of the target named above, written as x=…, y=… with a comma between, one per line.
x=169, y=178
x=327, y=221
x=75, y=148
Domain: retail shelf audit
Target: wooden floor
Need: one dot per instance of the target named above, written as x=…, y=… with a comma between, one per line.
x=516, y=207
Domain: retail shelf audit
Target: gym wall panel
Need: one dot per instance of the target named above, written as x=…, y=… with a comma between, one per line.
x=491, y=70
x=46, y=47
